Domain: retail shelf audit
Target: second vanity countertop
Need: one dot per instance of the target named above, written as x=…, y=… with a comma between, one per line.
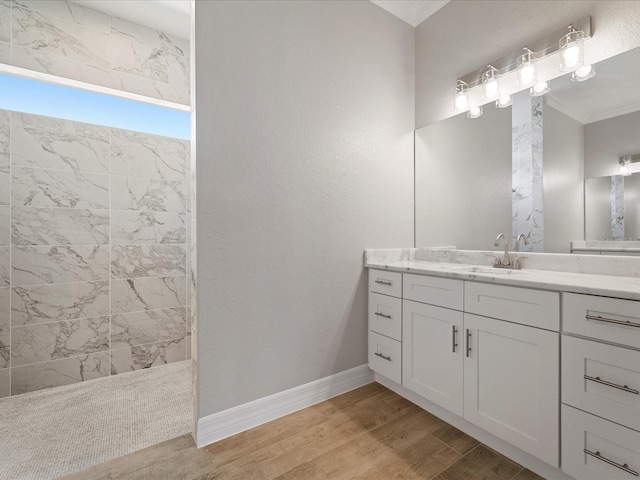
x=627, y=287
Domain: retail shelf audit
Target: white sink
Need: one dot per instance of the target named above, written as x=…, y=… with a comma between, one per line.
x=489, y=270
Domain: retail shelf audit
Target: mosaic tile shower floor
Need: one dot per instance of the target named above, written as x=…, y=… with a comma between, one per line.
x=50, y=433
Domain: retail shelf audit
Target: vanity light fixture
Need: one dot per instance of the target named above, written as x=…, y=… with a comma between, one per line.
x=571, y=50
x=490, y=86
x=539, y=89
x=504, y=101
x=474, y=112
x=526, y=66
x=460, y=96
x=531, y=69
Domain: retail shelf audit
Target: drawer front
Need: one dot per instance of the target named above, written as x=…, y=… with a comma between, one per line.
x=385, y=356
x=604, y=318
x=615, y=450
x=387, y=283
x=602, y=379
x=385, y=315
x=442, y=292
x=520, y=305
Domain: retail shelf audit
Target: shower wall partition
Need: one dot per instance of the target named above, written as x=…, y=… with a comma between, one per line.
x=93, y=251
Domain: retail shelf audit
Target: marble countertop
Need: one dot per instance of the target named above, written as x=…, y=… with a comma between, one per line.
x=627, y=287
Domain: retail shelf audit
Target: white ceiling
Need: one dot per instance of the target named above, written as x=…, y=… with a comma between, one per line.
x=169, y=16
x=414, y=12
x=612, y=92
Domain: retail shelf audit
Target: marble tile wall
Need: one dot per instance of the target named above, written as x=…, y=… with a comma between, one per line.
x=527, y=178
x=617, y=207
x=93, y=251
x=70, y=40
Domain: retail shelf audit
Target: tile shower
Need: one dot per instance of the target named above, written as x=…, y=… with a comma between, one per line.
x=93, y=251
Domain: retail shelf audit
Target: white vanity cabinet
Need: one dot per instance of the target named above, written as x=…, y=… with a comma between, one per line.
x=600, y=387
x=385, y=324
x=432, y=356
x=511, y=384
x=500, y=373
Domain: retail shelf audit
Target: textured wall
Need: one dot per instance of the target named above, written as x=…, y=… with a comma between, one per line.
x=464, y=36
x=305, y=158
x=72, y=41
x=92, y=262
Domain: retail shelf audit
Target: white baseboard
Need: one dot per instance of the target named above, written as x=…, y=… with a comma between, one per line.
x=243, y=417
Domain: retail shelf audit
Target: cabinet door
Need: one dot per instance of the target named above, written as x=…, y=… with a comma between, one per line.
x=511, y=384
x=432, y=353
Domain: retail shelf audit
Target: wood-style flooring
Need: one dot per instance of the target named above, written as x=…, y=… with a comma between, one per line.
x=370, y=433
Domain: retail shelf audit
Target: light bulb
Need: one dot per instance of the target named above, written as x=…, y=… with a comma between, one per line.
x=571, y=56
x=462, y=102
x=624, y=170
x=583, y=73
x=504, y=101
x=539, y=89
x=474, y=112
x=491, y=89
x=526, y=74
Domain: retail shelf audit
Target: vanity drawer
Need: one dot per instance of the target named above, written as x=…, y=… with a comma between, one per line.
x=387, y=283
x=385, y=315
x=602, y=379
x=385, y=356
x=442, y=292
x=609, y=319
x=519, y=305
x=582, y=433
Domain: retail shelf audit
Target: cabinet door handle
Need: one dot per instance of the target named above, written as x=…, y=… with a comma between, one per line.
x=384, y=282
x=468, y=342
x=383, y=315
x=388, y=359
x=624, y=388
x=626, y=323
x=623, y=467
x=454, y=332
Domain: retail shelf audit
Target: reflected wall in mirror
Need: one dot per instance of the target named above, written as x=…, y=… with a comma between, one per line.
x=465, y=172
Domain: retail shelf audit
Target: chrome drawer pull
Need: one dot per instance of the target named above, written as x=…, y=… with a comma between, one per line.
x=624, y=388
x=624, y=467
x=453, y=340
x=388, y=359
x=468, y=342
x=383, y=315
x=384, y=282
x=626, y=323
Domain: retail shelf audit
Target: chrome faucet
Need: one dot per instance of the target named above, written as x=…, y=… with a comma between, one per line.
x=522, y=236
x=506, y=261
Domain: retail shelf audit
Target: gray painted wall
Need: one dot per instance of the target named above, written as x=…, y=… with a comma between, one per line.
x=563, y=173
x=607, y=140
x=463, y=181
x=305, y=119
x=464, y=36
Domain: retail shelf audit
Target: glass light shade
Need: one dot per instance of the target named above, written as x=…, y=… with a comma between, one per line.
x=504, y=101
x=460, y=97
x=583, y=73
x=474, y=112
x=571, y=51
x=490, y=86
x=539, y=89
x=526, y=67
